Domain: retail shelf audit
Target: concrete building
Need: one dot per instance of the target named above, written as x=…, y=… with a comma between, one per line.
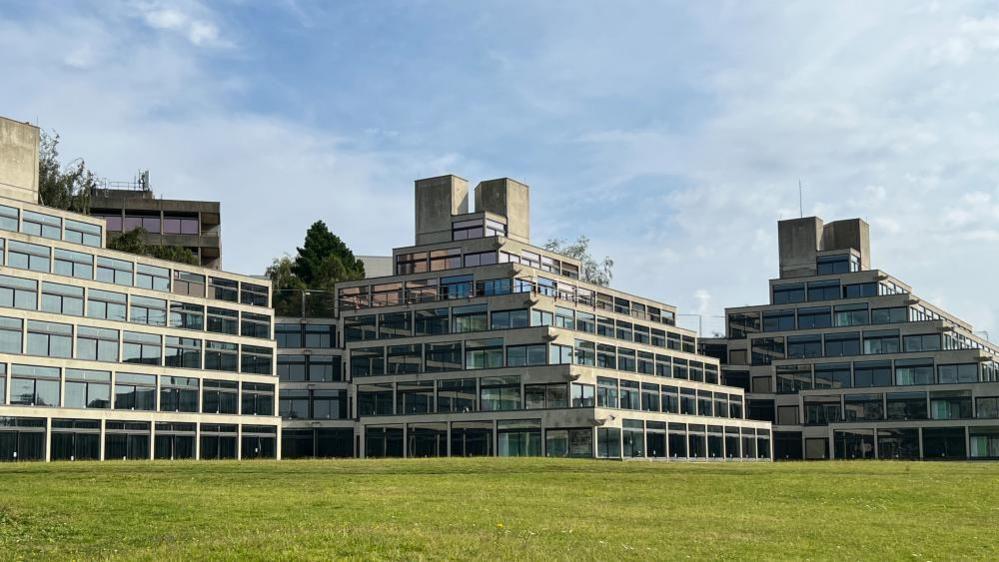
x=848, y=363
x=195, y=225
x=479, y=343
x=108, y=355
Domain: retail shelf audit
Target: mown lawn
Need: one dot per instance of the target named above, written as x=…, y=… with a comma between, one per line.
x=513, y=509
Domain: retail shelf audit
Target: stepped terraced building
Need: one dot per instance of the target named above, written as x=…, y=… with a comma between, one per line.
x=848, y=363
x=108, y=355
x=480, y=343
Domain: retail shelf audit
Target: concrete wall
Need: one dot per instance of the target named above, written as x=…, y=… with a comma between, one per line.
x=849, y=234
x=19, y=160
x=798, y=242
x=437, y=200
x=377, y=266
x=510, y=199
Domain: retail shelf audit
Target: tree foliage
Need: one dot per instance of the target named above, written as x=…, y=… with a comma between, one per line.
x=62, y=187
x=134, y=242
x=322, y=261
x=590, y=270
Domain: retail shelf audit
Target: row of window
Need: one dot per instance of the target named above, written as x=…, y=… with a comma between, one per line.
x=523, y=438
x=453, y=258
x=791, y=293
x=743, y=324
x=151, y=222
x=764, y=351
x=892, y=443
x=475, y=228
x=51, y=339
x=506, y=393
x=50, y=226
x=33, y=385
x=791, y=379
x=24, y=439
x=477, y=318
x=823, y=409
x=464, y=286
x=298, y=336
x=491, y=353
x=71, y=300
x=81, y=265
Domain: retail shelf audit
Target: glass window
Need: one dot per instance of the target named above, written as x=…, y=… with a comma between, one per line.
x=456, y=395
x=148, y=311
x=872, y=373
x=255, y=325
x=320, y=336
x=257, y=399
x=221, y=321
x=778, y=321
x=179, y=394
x=811, y=318
x=508, y=319
x=889, y=315
x=393, y=325
x=257, y=360
x=141, y=348
x=221, y=356
x=134, y=392
x=28, y=256
x=823, y=290
x=186, y=283
x=183, y=352
x=50, y=339
x=404, y=359
x=445, y=356
x=74, y=264
x=833, y=375
x=804, y=346
x=219, y=397
x=34, y=386
x=524, y=355
x=949, y=405
x=906, y=405
x=961, y=373
x=484, y=354
x=114, y=271
x=500, y=393
x=10, y=338
x=928, y=342
x=842, y=344
x=38, y=224
x=18, y=293
x=150, y=277
x=881, y=341
x=187, y=316
x=788, y=294
x=469, y=319
x=913, y=371
x=87, y=389
x=852, y=315
x=62, y=299
x=863, y=407
x=607, y=396
x=829, y=265
x=9, y=218
x=254, y=295
x=860, y=290
x=106, y=305
x=96, y=344
x=431, y=322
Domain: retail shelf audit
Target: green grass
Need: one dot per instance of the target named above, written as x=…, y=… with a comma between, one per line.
x=512, y=509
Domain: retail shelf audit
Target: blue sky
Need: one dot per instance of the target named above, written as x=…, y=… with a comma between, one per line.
x=672, y=134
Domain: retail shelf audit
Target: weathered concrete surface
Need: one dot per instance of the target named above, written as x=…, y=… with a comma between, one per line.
x=19, y=160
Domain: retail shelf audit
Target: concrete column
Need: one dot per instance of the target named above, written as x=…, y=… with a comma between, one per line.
x=101, y=444
x=197, y=441
x=919, y=431
x=405, y=439
x=48, y=439
x=967, y=442
x=277, y=443
x=152, y=434
x=239, y=442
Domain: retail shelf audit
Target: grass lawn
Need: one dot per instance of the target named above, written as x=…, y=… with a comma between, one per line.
x=512, y=509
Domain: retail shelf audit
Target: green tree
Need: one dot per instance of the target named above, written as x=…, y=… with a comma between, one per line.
x=134, y=242
x=62, y=187
x=324, y=259
x=590, y=270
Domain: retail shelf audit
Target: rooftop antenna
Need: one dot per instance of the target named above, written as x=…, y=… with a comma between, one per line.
x=801, y=204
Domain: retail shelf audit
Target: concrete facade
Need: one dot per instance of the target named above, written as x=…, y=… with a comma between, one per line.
x=109, y=355
x=195, y=225
x=19, y=160
x=848, y=363
x=480, y=343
